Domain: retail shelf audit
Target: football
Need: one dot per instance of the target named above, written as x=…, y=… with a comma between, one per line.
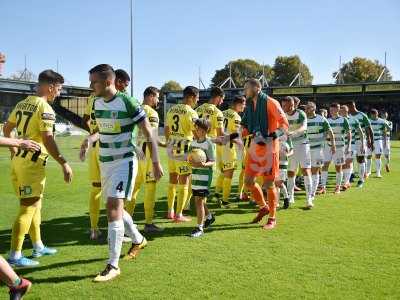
x=197, y=155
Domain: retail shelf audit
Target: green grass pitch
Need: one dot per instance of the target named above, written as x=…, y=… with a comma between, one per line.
x=347, y=247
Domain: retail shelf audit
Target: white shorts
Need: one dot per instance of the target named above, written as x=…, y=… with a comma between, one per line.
x=386, y=147
x=283, y=174
x=378, y=148
x=317, y=157
x=118, y=178
x=357, y=149
x=327, y=153
x=338, y=158
x=301, y=156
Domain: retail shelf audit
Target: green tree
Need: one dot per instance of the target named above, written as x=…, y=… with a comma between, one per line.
x=361, y=69
x=242, y=69
x=286, y=68
x=169, y=86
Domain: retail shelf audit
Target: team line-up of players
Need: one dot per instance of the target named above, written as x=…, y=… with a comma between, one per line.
x=272, y=139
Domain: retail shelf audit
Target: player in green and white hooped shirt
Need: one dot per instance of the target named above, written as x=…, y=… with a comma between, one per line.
x=368, y=142
x=202, y=176
x=318, y=129
x=386, y=141
x=285, y=151
x=356, y=135
x=342, y=134
x=379, y=126
x=117, y=115
x=301, y=149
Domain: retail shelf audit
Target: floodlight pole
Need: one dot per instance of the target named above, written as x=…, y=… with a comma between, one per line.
x=131, y=43
x=230, y=75
x=383, y=71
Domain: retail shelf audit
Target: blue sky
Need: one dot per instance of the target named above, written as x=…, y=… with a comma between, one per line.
x=172, y=38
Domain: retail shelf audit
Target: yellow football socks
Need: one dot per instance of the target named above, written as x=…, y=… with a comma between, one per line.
x=94, y=206
x=182, y=193
x=34, y=230
x=21, y=226
x=149, y=201
x=171, y=196
x=226, y=190
x=219, y=184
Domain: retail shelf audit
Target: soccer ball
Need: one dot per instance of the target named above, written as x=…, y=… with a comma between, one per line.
x=197, y=155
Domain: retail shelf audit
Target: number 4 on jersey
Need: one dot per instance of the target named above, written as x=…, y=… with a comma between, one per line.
x=120, y=186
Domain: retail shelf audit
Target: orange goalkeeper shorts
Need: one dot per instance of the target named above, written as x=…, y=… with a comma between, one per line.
x=262, y=160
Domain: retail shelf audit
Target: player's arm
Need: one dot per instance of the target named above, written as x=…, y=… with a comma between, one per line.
x=7, y=130
x=46, y=123
x=348, y=135
x=299, y=131
x=89, y=140
x=329, y=131
x=220, y=124
x=17, y=143
x=52, y=148
x=274, y=109
x=70, y=116
x=369, y=132
x=144, y=125
x=332, y=139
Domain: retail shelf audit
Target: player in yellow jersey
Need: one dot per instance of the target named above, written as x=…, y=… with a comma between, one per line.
x=33, y=118
x=211, y=112
x=228, y=158
x=179, y=133
x=145, y=171
x=122, y=80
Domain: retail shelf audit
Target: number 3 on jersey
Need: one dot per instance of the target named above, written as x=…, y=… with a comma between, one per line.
x=175, y=126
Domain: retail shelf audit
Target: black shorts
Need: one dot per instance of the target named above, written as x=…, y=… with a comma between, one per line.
x=200, y=193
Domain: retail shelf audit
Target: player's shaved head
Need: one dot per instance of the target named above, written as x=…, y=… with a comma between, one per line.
x=254, y=82
x=252, y=88
x=102, y=80
x=104, y=71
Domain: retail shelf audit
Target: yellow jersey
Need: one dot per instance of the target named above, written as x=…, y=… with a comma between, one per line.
x=214, y=115
x=231, y=121
x=154, y=121
x=180, y=121
x=89, y=111
x=33, y=116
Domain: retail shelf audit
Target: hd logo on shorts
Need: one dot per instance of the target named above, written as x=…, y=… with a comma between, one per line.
x=25, y=191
